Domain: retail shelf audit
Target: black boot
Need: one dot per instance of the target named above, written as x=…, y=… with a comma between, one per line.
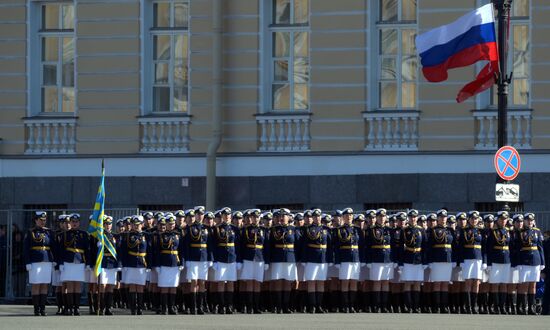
x=101, y=304
x=522, y=304
x=249, y=305
x=311, y=302
x=200, y=302
x=319, y=296
x=257, y=302
x=465, y=307
x=494, y=309
x=445, y=302
x=163, y=304
x=96, y=302
x=36, y=304
x=436, y=301
x=132, y=299
x=91, y=304
x=229, y=301
x=139, y=304
x=407, y=302
x=108, y=298
x=376, y=301
x=76, y=303
x=532, y=306
x=68, y=304
x=427, y=302
x=385, y=295
x=482, y=299
x=473, y=302
x=511, y=303
x=502, y=303
x=286, y=302
x=43, y=301
x=352, y=301
x=172, y=310
x=59, y=301
x=367, y=301
x=416, y=302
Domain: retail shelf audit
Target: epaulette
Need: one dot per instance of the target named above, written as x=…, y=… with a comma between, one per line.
x=535, y=228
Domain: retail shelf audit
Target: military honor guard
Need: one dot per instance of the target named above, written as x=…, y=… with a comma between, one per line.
x=73, y=251
x=347, y=260
x=513, y=283
x=530, y=251
x=110, y=267
x=63, y=223
x=378, y=260
x=135, y=262
x=253, y=254
x=472, y=260
x=39, y=261
x=412, y=262
x=498, y=262
x=439, y=249
x=198, y=258
x=283, y=240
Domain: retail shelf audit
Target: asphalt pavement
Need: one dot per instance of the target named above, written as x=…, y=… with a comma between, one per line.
x=20, y=317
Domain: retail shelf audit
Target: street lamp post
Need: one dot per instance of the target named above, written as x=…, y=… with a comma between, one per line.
x=503, y=80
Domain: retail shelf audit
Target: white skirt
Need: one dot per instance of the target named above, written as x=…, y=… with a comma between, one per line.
x=412, y=273
x=108, y=276
x=56, y=278
x=349, y=271
x=315, y=272
x=499, y=274
x=514, y=275
x=169, y=277
x=40, y=273
x=133, y=275
x=284, y=271
x=73, y=273
x=471, y=269
x=252, y=271
x=381, y=272
x=153, y=277
x=441, y=271
x=529, y=274
x=225, y=272
x=197, y=270
x=90, y=276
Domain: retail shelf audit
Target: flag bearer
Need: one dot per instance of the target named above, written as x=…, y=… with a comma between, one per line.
x=110, y=267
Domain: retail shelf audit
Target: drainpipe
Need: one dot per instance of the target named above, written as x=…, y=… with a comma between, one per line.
x=217, y=115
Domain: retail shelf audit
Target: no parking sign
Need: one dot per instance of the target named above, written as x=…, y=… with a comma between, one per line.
x=507, y=163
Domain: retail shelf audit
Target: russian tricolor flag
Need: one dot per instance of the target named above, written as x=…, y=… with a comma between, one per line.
x=464, y=42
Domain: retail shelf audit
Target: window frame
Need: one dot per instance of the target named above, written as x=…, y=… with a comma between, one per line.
x=41, y=34
x=291, y=29
x=149, y=61
x=376, y=57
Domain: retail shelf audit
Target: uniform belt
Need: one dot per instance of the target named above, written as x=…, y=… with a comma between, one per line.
x=284, y=246
x=475, y=246
x=74, y=250
x=198, y=245
x=317, y=246
x=413, y=249
x=442, y=246
x=226, y=244
x=349, y=247
x=504, y=247
x=169, y=252
x=381, y=247
x=252, y=246
x=40, y=248
x=529, y=248
x=137, y=254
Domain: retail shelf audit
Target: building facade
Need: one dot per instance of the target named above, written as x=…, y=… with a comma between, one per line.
x=324, y=104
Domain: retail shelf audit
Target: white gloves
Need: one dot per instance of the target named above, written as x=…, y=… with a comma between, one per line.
x=330, y=264
x=369, y=266
x=147, y=270
x=29, y=267
x=239, y=266
x=542, y=267
x=61, y=268
x=425, y=267
x=266, y=266
x=488, y=269
x=88, y=268
x=394, y=265
x=400, y=269
x=180, y=268
x=483, y=266
x=54, y=264
x=99, y=244
x=119, y=269
x=210, y=264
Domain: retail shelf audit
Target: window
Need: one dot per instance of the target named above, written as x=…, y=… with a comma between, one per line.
x=290, y=55
x=57, y=44
x=518, y=56
x=170, y=56
x=397, y=61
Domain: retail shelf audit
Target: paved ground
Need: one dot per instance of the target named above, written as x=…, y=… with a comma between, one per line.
x=20, y=317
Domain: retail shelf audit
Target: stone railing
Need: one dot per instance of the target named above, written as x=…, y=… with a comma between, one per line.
x=50, y=136
x=164, y=134
x=284, y=132
x=519, y=129
x=391, y=130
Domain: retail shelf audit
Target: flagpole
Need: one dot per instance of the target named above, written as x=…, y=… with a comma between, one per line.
x=503, y=79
